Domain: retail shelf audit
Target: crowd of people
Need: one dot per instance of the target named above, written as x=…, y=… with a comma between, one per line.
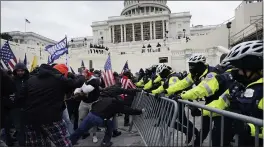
x=41, y=105
x=51, y=104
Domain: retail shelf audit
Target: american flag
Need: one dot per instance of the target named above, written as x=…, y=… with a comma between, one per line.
x=8, y=59
x=124, y=68
x=108, y=74
x=127, y=83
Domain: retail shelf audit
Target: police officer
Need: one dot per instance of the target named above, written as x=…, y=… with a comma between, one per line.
x=149, y=83
x=170, y=77
x=198, y=71
x=246, y=95
x=210, y=88
x=140, y=83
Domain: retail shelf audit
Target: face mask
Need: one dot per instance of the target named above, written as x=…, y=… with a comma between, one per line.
x=197, y=69
x=240, y=78
x=164, y=73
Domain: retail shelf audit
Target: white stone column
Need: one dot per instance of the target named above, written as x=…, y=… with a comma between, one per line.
x=113, y=33
x=167, y=25
x=154, y=27
x=124, y=32
x=145, y=10
x=150, y=30
x=121, y=32
x=133, y=31
x=163, y=28
x=142, y=39
x=109, y=34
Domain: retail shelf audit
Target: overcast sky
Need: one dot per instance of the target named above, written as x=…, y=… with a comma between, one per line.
x=55, y=19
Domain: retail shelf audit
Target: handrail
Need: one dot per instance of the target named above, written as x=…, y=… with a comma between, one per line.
x=247, y=27
x=237, y=116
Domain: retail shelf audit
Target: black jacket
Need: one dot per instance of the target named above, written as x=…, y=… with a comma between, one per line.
x=93, y=95
x=110, y=103
x=19, y=82
x=44, y=95
x=7, y=87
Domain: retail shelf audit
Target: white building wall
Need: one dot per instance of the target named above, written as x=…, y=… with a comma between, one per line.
x=244, y=12
x=218, y=37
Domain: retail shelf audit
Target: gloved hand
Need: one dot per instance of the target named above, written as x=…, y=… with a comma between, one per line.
x=195, y=111
x=71, y=75
x=176, y=97
x=165, y=91
x=147, y=92
x=138, y=89
x=157, y=97
x=241, y=127
x=236, y=90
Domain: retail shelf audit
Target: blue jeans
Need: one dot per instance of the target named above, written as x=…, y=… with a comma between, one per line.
x=90, y=121
x=66, y=118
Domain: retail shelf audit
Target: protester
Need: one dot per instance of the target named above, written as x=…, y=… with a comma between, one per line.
x=108, y=105
x=44, y=101
x=20, y=77
x=7, y=87
x=128, y=99
x=90, y=93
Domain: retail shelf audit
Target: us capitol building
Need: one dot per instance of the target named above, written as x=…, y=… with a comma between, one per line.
x=147, y=32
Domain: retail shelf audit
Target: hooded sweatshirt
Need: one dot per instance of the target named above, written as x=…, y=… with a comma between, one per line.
x=19, y=82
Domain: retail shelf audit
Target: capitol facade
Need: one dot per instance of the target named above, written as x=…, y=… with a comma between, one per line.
x=147, y=33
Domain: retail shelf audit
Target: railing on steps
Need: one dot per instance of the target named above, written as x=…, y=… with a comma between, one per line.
x=254, y=29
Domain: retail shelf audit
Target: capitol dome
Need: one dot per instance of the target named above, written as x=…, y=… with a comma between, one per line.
x=132, y=7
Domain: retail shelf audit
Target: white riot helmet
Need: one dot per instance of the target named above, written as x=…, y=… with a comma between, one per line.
x=197, y=58
x=250, y=48
x=161, y=67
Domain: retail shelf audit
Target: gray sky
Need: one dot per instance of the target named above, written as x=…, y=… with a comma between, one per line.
x=54, y=19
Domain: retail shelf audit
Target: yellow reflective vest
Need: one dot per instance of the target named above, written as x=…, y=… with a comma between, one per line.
x=187, y=81
x=170, y=81
x=140, y=83
x=224, y=101
x=206, y=88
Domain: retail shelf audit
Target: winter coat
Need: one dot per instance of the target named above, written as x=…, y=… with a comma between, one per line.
x=44, y=95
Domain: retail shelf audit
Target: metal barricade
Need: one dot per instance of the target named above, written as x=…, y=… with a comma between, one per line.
x=216, y=126
x=169, y=123
x=156, y=125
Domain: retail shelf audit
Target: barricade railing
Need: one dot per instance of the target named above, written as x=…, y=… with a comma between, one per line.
x=165, y=118
x=154, y=126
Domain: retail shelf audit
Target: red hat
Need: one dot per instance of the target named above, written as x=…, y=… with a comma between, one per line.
x=87, y=73
x=62, y=68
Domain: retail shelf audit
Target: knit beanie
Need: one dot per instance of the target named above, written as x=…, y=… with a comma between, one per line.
x=62, y=68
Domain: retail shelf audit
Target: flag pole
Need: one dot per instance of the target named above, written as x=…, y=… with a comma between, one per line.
x=67, y=56
x=25, y=25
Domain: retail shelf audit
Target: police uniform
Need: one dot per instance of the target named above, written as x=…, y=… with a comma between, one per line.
x=210, y=88
x=250, y=104
x=189, y=81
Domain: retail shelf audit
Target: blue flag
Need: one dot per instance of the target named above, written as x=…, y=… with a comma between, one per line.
x=57, y=50
x=25, y=59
